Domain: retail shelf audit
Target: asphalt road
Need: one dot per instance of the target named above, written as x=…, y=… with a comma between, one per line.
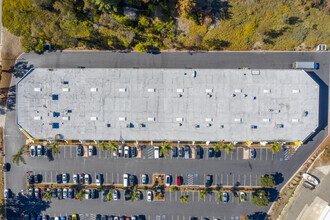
x=16, y=178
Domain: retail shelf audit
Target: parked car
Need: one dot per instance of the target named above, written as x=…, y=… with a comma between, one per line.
x=74, y=217
x=115, y=152
x=63, y=218
x=54, y=193
x=98, y=179
x=6, y=167
x=225, y=197
x=65, y=193
x=7, y=193
x=252, y=153
x=127, y=195
x=178, y=180
x=75, y=179
x=87, y=194
x=115, y=195
x=70, y=194
x=181, y=152
x=75, y=192
x=125, y=180
x=59, y=178
x=42, y=193
x=81, y=178
x=186, y=152
x=132, y=180
x=308, y=185
x=126, y=151
x=104, y=194
x=120, y=151
x=168, y=180
x=211, y=152
x=31, y=193
x=104, y=217
x=80, y=151
x=149, y=196
x=33, y=151
x=37, y=178
x=134, y=217
x=198, y=151
x=40, y=150
x=87, y=180
x=60, y=193
x=37, y=193
x=31, y=179
x=156, y=152
x=90, y=150
x=45, y=217
x=144, y=179
x=93, y=194
x=65, y=178
x=242, y=196
x=174, y=151
x=208, y=180
x=133, y=152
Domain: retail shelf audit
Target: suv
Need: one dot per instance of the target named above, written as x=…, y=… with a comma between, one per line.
x=252, y=153
x=198, y=151
x=75, y=179
x=90, y=150
x=180, y=151
x=208, y=181
x=79, y=151
x=133, y=151
x=156, y=152
x=144, y=179
x=132, y=180
x=211, y=152
x=87, y=179
x=126, y=151
x=81, y=178
x=174, y=151
x=125, y=180
x=186, y=152
x=65, y=178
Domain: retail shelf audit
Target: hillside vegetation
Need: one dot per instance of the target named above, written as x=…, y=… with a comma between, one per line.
x=169, y=24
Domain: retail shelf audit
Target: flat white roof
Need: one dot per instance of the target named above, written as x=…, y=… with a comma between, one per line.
x=168, y=104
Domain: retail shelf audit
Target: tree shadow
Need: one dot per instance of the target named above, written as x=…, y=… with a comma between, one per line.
x=220, y=9
x=19, y=203
x=278, y=177
x=257, y=216
x=21, y=68
x=11, y=98
x=49, y=154
x=273, y=194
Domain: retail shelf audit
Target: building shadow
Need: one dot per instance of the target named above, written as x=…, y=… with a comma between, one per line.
x=257, y=216
x=323, y=105
x=21, y=68
x=11, y=98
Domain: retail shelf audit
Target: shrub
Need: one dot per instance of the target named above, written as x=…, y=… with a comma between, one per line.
x=267, y=181
x=140, y=48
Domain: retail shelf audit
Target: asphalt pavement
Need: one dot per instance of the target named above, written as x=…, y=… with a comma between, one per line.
x=232, y=166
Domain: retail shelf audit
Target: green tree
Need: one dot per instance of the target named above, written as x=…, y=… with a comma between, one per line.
x=204, y=192
x=103, y=146
x=184, y=198
x=55, y=148
x=220, y=195
x=229, y=148
x=174, y=189
x=48, y=195
x=260, y=198
x=140, y=47
x=109, y=196
x=218, y=147
x=18, y=157
x=40, y=46
x=165, y=150
x=134, y=195
x=106, y=5
x=267, y=181
x=112, y=146
x=81, y=194
x=275, y=148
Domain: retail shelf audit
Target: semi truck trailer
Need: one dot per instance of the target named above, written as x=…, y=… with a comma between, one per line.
x=305, y=65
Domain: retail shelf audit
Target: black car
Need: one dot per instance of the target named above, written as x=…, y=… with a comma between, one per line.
x=6, y=167
x=93, y=194
x=181, y=152
x=104, y=217
x=31, y=179
x=132, y=180
x=208, y=181
x=174, y=151
x=59, y=178
x=133, y=151
x=79, y=151
x=60, y=193
x=98, y=217
x=122, y=217
x=70, y=194
x=211, y=152
x=37, y=178
x=198, y=151
x=127, y=194
x=141, y=217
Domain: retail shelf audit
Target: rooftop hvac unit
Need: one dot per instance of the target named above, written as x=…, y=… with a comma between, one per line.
x=94, y=118
x=295, y=120
x=180, y=90
x=66, y=118
x=37, y=118
x=152, y=90
x=238, y=90
x=65, y=89
x=208, y=119
x=255, y=72
x=295, y=91
x=151, y=118
x=208, y=90
x=267, y=91
x=94, y=89
x=122, y=118
x=238, y=120
x=266, y=120
x=179, y=119
x=37, y=89
x=122, y=89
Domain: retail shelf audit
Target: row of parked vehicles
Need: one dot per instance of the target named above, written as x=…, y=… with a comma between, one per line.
x=121, y=151
x=32, y=216
x=37, y=150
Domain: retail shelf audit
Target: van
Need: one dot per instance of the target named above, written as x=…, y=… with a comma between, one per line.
x=125, y=180
x=156, y=152
x=308, y=185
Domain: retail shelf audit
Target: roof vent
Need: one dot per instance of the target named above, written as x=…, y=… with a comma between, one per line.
x=65, y=89
x=94, y=118
x=122, y=89
x=152, y=90
x=37, y=89
x=151, y=118
x=37, y=118
x=94, y=89
x=267, y=91
x=180, y=90
x=122, y=118
x=295, y=91
x=179, y=119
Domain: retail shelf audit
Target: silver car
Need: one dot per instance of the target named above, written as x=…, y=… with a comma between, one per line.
x=65, y=193
x=75, y=178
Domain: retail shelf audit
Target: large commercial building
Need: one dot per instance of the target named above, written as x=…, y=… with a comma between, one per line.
x=168, y=104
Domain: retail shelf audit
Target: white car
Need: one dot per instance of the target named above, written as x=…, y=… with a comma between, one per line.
x=86, y=178
x=114, y=152
x=40, y=150
x=98, y=179
x=115, y=195
x=149, y=196
x=125, y=180
x=87, y=194
x=65, y=177
x=156, y=152
x=57, y=218
x=167, y=180
x=75, y=178
x=126, y=151
x=90, y=150
x=33, y=151
x=65, y=193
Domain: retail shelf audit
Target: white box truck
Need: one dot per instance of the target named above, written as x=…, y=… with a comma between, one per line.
x=305, y=65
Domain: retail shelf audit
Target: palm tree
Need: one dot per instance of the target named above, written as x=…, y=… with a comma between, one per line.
x=103, y=146
x=166, y=147
x=109, y=196
x=218, y=147
x=184, y=198
x=220, y=195
x=18, y=157
x=48, y=195
x=134, y=195
x=112, y=146
x=203, y=193
x=275, y=148
x=81, y=194
x=229, y=148
x=54, y=147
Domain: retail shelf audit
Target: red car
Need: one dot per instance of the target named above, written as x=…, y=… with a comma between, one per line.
x=42, y=193
x=179, y=180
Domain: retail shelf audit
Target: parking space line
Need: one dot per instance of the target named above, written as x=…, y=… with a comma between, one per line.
x=244, y=180
x=210, y=197
x=233, y=179
x=112, y=178
x=250, y=180
x=176, y=196
x=70, y=151
x=266, y=154
x=193, y=196
x=118, y=180
x=231, y=155
x=216, y=179
x=221, y=180
x=256, y=180
x=272, y=156
x=106, y=154
x=237, y=151
x=225, y=154
x=227, y=180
